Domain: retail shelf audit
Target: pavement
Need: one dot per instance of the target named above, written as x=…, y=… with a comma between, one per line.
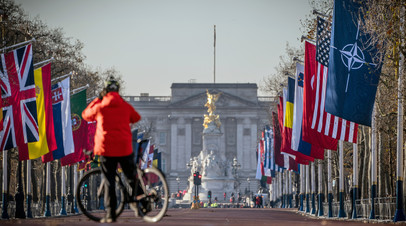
x=206, y=216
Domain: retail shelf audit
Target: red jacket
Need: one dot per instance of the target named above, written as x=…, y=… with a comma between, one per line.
x=113, y=133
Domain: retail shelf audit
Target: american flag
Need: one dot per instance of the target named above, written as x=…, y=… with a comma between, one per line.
x=324, y=122
x=19, y=101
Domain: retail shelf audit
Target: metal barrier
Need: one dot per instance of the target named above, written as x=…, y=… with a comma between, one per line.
x=384, y=208
x=37, y=209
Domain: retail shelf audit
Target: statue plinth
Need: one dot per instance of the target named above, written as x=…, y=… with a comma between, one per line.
x=212, y=164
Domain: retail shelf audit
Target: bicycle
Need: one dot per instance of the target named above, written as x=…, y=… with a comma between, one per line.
x=151, y=205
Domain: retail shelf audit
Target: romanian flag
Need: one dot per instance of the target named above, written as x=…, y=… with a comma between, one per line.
x=46, y=142
x=288, y=104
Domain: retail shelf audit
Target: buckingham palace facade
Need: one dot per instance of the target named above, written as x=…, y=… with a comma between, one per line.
x=176, y=124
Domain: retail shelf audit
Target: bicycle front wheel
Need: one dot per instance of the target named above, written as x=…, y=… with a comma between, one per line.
x=90, y=195
x=157, y=195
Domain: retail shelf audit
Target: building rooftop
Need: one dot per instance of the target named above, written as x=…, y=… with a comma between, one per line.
x=214, y=85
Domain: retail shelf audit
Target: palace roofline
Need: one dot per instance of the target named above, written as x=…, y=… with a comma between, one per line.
x=214, y=85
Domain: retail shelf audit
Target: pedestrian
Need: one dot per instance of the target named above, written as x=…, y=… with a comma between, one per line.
x=113, y=141
x=225, y=196
x=261, y=201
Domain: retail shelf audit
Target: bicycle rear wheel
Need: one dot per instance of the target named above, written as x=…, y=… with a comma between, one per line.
x=157, y=199
x=90, y=195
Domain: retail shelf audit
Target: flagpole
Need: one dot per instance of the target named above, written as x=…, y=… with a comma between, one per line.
x=313, y=190
x=19, y=196
x=79, y=89
x=307, y=39
x=17, y=45
x=302, y=184
x=341, y=212
x=307, y=189
x=47, y=190
x=4, y=214
x=290, y=193
x=75, y=183
x=321, y=194
x=273, y=193
x=330, y=187
x=29, y=193
x=214, y=68
x=280, y=188
x=43, y=62
x=373, y=166
x=63, y=192
x=62, y=76
x=355, y=179
x=286, y=189
x=320, y=14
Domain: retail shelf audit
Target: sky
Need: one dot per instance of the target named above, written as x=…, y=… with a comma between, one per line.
x=154, y=43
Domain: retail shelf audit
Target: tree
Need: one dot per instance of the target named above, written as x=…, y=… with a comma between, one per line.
x=17, y=27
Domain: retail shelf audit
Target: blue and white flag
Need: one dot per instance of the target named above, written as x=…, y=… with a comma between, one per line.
x=298, y=110
x=62, y=121
x=145, y=156
x=352, y=76
x=268, y=166
x=298, y=144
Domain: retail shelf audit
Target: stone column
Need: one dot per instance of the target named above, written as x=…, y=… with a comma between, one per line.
x=185, y=156
x=174, y=143
x=254, y=133
x=241, y=154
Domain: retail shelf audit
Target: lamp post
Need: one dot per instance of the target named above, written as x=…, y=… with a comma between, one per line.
x=178, y=180
x=248, y=180
x=189, y=165
x=236, y=166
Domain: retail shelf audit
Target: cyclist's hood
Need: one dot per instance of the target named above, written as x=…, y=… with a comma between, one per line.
x=112, y=99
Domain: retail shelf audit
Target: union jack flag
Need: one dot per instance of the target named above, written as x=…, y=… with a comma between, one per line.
x=19, y=101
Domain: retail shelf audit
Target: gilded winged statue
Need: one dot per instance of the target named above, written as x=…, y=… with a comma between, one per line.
x=211, y=108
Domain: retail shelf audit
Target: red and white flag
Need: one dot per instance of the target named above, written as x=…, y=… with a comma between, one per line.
x=321, y=121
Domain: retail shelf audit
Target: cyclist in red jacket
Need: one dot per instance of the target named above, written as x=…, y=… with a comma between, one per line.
x=113, y=139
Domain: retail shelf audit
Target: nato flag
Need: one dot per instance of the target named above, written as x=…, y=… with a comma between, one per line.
x=352, y=77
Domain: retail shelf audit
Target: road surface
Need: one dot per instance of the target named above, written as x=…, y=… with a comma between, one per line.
x=214, y=216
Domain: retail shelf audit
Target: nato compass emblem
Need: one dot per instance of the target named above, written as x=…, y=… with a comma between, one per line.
x=352, y=57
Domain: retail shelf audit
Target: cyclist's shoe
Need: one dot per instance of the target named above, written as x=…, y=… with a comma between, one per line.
x=107, y=220
x=144, y=206
x=135, y=207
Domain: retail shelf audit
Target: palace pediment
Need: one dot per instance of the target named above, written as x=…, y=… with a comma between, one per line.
x=225, y=100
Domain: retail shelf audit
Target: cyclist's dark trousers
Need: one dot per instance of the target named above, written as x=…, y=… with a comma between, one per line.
x=109, y=167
